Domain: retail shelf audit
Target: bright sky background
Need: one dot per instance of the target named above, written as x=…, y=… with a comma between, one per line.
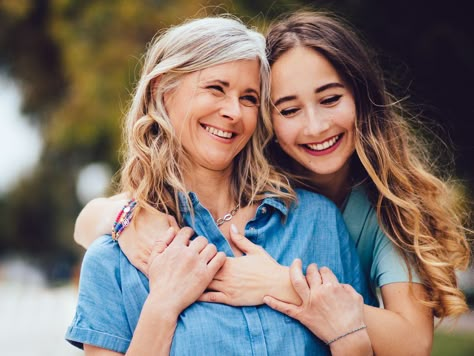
x=20, y=142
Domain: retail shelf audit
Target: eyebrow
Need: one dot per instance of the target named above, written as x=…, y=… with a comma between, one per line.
x=226, y=85
x=329, y=86
x=317, y=90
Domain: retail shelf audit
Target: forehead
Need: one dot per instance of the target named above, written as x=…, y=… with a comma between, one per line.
x=245, y=73
x=301, y=66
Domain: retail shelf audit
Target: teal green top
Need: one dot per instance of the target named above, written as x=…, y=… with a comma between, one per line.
x=379, y=257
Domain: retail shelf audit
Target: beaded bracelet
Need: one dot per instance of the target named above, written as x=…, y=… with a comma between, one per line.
x=347, y=333
x=123, y=219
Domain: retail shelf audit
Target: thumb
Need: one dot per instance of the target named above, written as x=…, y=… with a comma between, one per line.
x=242, y=243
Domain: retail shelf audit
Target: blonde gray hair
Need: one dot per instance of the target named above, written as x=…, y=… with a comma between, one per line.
x=154, y=157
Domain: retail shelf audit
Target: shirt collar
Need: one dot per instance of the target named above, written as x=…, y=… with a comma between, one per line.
x=274, y=202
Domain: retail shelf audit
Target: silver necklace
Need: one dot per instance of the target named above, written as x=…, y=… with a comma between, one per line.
x=228, y=216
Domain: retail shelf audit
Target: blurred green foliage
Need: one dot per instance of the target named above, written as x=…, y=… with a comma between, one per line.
x=76, y=63
x=453, y=344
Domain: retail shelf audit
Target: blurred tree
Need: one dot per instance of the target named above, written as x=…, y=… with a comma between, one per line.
x=76, y=63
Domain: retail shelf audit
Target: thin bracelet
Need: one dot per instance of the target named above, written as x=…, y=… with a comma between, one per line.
x=347, y=333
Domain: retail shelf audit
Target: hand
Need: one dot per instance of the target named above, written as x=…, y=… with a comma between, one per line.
x=138, y=239
x=329, y=308
x=247, y=279
x=181, y=271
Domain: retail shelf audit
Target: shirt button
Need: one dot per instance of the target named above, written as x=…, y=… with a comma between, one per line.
x=264, y=210
x=252, y=229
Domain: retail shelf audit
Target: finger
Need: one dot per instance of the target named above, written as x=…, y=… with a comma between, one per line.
x=298, y=280
x=216, y=263
x=156, y=250
x=327, y=276
x=312, y=275
x=242, y=243
x=163, y=241
x=215, y=285
x=143, y=267
x=208, y=252
x=283, y=307
x=214, y=297
x=172, y=222
x=183, y=236
x=198, y=244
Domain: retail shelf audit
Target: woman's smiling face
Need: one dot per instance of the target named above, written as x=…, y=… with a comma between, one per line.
x=314, y=112
x=214, y=111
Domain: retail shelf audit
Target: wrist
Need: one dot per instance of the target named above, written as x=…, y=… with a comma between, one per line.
x=282, y=288
x=163, y=311
x=354, y=343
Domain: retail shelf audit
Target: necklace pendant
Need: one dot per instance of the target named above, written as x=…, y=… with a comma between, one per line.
x=228, y=216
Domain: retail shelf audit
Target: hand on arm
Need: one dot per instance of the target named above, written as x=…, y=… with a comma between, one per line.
x=147, y=229
x=329, y=309
x=245, y=280
x=136, y=241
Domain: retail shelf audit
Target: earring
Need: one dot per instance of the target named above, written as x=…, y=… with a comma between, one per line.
x=275, y=140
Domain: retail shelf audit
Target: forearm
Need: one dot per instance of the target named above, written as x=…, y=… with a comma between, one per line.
x=392, y=334
x=154, y=332
x=96, y=219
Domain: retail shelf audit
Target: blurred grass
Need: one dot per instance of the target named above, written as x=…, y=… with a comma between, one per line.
x=453, y=344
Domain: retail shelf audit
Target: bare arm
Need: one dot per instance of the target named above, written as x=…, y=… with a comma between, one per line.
x=97, y=218
x=136, y=241
x=405, y=317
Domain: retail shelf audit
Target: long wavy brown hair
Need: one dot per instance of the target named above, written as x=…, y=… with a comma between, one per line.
x=415, y=206
x=155, y=160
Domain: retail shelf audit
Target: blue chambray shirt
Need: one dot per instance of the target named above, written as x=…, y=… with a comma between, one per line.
x=112, y=291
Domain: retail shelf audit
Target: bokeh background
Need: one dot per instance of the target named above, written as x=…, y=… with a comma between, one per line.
x=67, y=68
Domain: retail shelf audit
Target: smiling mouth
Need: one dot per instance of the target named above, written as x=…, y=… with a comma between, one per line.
x=318, y=147
x=217, y=132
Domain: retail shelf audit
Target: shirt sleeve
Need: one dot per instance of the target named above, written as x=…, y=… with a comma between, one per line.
x=100, y=317
x=388, y=264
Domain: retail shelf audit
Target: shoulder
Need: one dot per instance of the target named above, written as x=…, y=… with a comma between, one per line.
x=103, y=254
x=104, y=246
x=307, y=198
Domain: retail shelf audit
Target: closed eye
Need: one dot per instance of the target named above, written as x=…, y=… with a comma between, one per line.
x=249, y=100
x=331, y=100
x=216, y=89
x=289, y=112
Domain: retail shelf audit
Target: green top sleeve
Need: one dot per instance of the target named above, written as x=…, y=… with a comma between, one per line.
x=380, y=259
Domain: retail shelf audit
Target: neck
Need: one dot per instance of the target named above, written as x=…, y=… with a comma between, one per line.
x=213, y=189
x=334, y=186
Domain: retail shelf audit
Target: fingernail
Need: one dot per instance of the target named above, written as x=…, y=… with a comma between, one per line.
x=234, y=229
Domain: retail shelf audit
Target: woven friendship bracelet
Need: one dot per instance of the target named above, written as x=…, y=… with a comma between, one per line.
x=123, y=219
x=347, y=333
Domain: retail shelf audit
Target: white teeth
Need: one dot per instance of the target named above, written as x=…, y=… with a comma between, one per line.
x=219, y=133
x=323, y=146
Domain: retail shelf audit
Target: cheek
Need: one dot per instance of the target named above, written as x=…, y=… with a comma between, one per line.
x=284, y=131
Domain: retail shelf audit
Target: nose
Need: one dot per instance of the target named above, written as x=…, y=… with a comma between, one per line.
x=231, y=108
x=317, y=122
